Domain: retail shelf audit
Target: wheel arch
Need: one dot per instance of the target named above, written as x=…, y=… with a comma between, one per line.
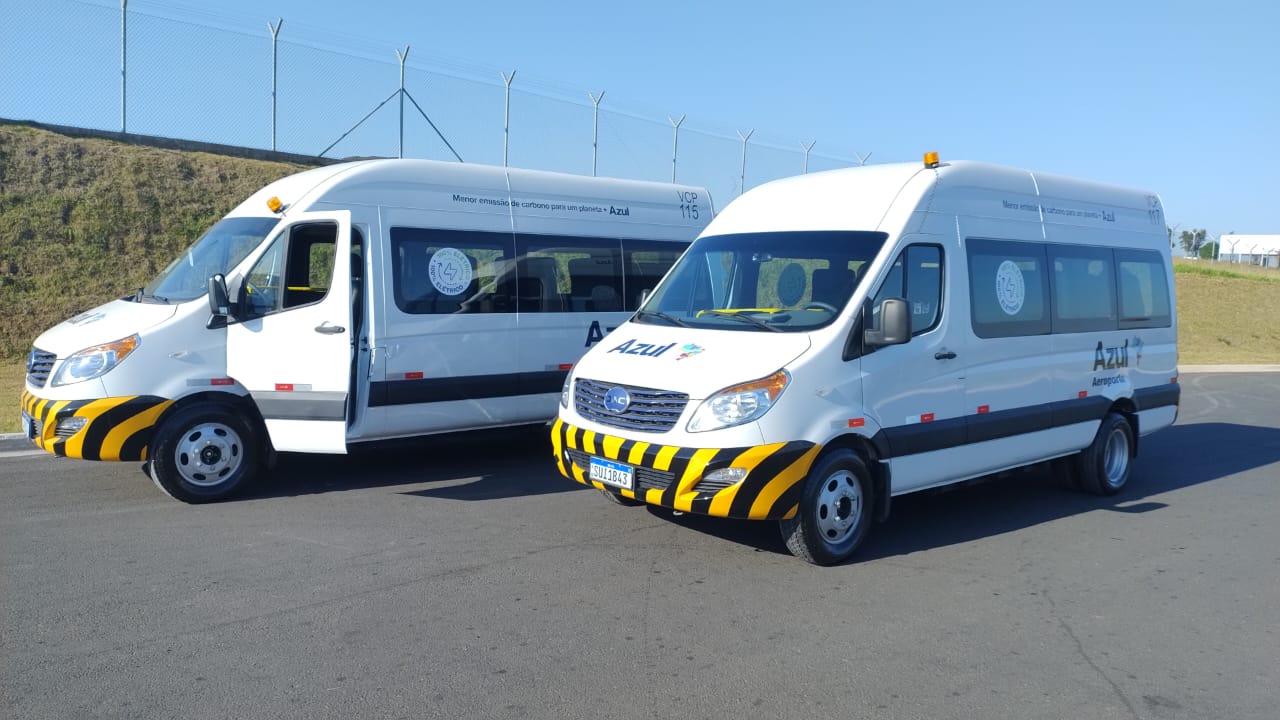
x=1126, y=408
x=241, y=404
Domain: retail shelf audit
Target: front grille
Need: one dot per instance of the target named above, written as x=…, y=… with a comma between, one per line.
x=39, y=363
x=645, y=478
x=650, y=410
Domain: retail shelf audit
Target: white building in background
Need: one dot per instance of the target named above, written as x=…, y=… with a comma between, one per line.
x=1261, y=250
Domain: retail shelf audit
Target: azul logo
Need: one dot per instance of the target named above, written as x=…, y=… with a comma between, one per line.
x=617, y=400
x=689, y=351
x=1111, y=358
x=631, y=347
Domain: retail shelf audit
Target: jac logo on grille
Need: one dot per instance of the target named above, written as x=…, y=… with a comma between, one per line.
x=617, y=400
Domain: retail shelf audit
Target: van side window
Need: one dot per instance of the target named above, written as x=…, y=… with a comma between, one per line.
x=645, y=263
x=436, y=272
x=915, y=276
x=1083, y=288
x=296, y=270
x=1008, y=288
x=1144, y=289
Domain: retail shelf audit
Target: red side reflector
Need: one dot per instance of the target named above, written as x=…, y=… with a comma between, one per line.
x=413, y=375
x=857, y=422
x=222, y=381
x=984, y=409
x=284, y=387
x=566, y=366
x=1082, y=393
x=926, y=417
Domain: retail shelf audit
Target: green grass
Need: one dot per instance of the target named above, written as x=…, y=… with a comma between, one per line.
x=86, y=220
x=1210, y=268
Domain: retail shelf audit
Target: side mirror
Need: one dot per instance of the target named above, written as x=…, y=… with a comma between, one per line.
x=219, y=301
x=895, y=324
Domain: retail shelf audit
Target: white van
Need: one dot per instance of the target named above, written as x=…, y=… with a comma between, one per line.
x=836, y=339
x=356, y=302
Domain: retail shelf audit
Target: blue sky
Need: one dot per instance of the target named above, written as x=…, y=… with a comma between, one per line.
x=1182, y=98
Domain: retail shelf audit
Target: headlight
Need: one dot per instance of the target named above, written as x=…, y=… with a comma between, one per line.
x=739, y=404
x=565, y=390
x=95, y=361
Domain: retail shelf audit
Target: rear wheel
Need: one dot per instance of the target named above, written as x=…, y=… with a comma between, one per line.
x=1104, y=467
x=835, y=510
x=203, y=453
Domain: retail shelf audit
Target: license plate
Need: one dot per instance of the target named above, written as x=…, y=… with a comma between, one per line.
x=27, y=429
x=611, y=473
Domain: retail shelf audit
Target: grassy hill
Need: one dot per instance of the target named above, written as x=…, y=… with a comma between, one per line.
x=83, y=220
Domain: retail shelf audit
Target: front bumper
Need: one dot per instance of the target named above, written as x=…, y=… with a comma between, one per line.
x=117, y=428
x=676, y=477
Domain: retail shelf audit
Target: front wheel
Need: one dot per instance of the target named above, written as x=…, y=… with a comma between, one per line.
x=203, y=453
x=1104, y=467
x=835, y=510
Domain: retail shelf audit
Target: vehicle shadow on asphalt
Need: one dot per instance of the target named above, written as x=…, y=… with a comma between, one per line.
x=1178, y=457
x=501, y=463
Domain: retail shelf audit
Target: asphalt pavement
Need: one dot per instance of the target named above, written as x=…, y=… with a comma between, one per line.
x=462, y=577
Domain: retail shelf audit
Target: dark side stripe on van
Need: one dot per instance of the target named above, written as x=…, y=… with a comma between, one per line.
x=467, y=387
x=954, y=432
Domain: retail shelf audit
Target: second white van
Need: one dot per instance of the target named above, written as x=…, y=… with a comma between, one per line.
x=834, y=340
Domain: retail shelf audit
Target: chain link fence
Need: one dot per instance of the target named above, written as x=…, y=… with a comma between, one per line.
x=72, y=63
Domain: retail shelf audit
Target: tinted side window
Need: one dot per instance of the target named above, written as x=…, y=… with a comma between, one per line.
x=449, y=271
x=296, y=270
x=645, y=262
x=1084, y=298
x=1008, y=288
x=1144, y=289
x=915, y=276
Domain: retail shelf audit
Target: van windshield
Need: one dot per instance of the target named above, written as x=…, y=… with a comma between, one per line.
x=217, y=251
x=763, y=282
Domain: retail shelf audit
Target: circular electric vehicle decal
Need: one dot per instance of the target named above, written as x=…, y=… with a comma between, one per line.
x=791, y=284
x=1011, y=291
x=450, y=271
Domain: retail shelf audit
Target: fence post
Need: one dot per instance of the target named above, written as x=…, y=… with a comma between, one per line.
x=595, y=129
x=742, y=173
x=275, y=37
x=403, y=56
x=124, y=62
x=807, y=148
x=506, y=115
x=675, y=144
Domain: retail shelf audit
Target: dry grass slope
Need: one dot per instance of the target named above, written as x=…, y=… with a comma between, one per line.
x=85, y=220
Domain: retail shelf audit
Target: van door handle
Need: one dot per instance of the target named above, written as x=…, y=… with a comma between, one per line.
x=945, y=355
x=325, y=328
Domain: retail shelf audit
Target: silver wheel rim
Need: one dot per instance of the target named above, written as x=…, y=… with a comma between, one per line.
x=1115, y=457
x=839, y=507
x=208, y=454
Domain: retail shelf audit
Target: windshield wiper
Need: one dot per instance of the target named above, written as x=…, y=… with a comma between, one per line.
x=143, y=296
x=745, y=318
x=661, y=315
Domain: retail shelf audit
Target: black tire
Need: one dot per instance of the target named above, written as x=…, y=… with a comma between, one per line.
x=1104, y=467
x=836, y=509
x=203, y=453
x=620, y=500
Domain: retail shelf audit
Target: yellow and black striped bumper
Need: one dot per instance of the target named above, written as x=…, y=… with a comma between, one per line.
x=676, y=477
x=116, y=428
